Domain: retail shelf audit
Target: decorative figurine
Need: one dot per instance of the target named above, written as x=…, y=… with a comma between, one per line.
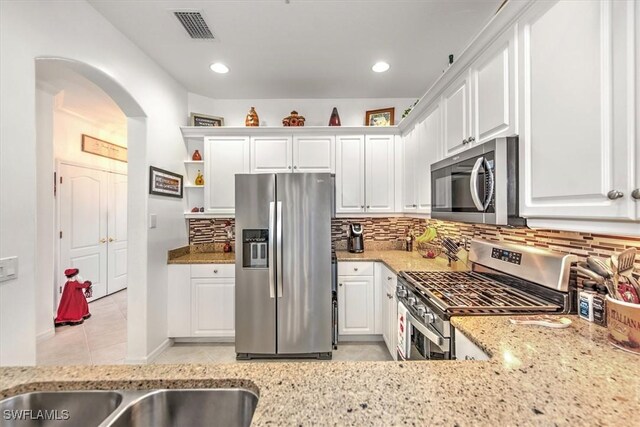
x=334, y=120
x=199, y=179
x=195, y=210
x=293, y=120
x=73, y=308
x=196, y=156
x=227, y=247
x=202, y=209
x=252, y=118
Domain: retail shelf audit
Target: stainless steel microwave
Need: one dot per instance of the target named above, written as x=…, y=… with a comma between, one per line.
x=479, y=185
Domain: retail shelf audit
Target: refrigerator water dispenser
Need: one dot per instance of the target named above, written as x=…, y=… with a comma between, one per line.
x=255, y=248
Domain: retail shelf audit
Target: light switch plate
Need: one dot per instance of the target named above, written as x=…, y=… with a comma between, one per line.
x=8, y=268
x=153, y=220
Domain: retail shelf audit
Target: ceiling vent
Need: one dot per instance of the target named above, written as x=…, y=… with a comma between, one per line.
x=194, y=23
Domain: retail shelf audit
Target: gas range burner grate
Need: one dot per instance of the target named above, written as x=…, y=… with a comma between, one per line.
x=472, y=293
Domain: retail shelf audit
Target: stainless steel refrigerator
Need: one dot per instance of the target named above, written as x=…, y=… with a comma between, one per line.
x=283, y=265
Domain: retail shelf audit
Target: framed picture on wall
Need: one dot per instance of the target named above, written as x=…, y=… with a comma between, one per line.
x=382, y=117
x=165, y=183
x=204, y=120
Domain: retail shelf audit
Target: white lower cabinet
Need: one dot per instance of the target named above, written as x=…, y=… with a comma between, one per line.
x=356, y=305
x=389, y=310
x=213, y=307
x=201, y=301
x=467, y=350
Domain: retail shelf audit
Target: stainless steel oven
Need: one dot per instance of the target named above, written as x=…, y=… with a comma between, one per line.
x=479, y=185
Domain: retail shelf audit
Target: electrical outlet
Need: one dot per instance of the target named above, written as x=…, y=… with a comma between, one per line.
x=8, y=268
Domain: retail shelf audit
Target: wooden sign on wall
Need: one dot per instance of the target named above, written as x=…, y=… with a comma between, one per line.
x=103, y=148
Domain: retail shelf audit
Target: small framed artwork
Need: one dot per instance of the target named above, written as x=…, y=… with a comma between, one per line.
x=383, y=117
x=103, y=148
x=165, y=183
x=204, y=120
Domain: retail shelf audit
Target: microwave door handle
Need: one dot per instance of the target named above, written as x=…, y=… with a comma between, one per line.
x=272, y=244
x=492, y=183
x=473, y=184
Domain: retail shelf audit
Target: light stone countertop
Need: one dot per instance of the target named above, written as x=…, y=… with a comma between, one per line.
x=398, y=260
x=205, y=258
x=535, y=376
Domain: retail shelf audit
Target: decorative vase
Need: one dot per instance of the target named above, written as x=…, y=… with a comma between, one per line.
x=196, y=156
x=199, y=179
x=252, y=118
x=293, y=120
x=334, y=120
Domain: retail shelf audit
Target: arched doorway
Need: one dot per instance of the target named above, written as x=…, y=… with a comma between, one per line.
x=108, y=332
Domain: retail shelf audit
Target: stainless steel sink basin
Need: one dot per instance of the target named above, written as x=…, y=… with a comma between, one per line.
x=130, y=408
x=173, y=408
x=59, y=408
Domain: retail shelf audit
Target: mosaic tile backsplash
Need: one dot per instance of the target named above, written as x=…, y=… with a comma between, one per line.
x=394, y=229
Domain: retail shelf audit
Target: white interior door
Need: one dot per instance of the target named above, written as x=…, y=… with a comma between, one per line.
x=117, y=232
x=83, y=225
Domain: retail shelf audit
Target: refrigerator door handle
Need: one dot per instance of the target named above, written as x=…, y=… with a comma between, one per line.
x=272, y=275
x=279, y=248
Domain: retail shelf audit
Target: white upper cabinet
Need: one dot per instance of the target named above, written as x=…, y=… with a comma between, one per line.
x=493, y=81
x=429, y=151
x=456, y=109
x=379, y=172
x=576, y=110
x=350, y=174
x=409, y=161
x=271, y=154
x=314, y=153
x=224, y=158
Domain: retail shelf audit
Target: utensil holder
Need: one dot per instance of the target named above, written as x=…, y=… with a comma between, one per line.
x=623, y=324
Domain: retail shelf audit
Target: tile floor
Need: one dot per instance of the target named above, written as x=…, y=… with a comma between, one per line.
x=102, y=340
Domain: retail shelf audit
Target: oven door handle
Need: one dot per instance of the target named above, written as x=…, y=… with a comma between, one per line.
x=473, y=184
x=427, y=331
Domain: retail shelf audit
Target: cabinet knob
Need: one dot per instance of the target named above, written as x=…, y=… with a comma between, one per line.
x=636, y=194
x=615, y=194
x=465, y=142
x=414, y=206
x=340, y=284
x=368, y=206
x=389, y=277
x=355, y=268
x=111, y=239
x=389, y=295
x=289, y=167
x=362, y=207
x=103, y=240
x=215, y=271
x=295, y=167
x=471, y=139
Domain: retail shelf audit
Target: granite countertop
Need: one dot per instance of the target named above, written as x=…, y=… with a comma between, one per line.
x=200, y=254
x=536, y=376
x=398, y=260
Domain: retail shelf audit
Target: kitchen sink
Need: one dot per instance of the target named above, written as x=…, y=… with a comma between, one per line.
x=59, y=408
x=173, y=408
x=130, y=408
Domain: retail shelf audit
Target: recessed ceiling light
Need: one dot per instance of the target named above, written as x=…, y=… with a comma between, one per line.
x=219, y=68
x=380, y=67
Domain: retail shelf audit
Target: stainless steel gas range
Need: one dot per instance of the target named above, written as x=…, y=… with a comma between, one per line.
x=504, y=279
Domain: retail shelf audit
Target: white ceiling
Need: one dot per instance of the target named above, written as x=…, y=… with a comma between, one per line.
x=80, y=96
x=305, y=49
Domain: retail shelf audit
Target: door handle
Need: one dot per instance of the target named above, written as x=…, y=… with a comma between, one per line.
x=473, y=184
x=279, y=249
x=272, y=243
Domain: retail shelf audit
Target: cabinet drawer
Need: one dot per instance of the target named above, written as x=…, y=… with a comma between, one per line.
x=213, y=270
x=355, y=268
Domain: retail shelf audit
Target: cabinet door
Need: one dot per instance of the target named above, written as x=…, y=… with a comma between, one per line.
x=356, y=305
x=455, y=102
x=429, y=151
x=576, y=96
x=409, y=161
x=271, y=154
x=314, y=153
x=224, y=158
x=494, y=90
x=213, y=307
x=389, y=310
x=466, y=349
x=179, y=301
x=379, y=169
x=350, y=173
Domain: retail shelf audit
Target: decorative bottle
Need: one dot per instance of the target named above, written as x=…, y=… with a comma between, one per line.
x=252, y=118
x=196, y=156
x=199, y=178
x=334, y=120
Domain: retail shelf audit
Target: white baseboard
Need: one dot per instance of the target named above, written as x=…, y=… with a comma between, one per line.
x=151, y=356
x=344, y=339
x=46, y=334
x=229, y=340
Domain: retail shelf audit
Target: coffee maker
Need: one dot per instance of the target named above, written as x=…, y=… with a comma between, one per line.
x=355, y=242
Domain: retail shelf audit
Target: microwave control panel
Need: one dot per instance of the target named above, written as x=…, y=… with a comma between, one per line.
x=507, y=256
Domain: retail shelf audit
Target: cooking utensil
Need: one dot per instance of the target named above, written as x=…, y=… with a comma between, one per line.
x=600, y=267
x=627, y=291
x=583, y=269
x=623, y=262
